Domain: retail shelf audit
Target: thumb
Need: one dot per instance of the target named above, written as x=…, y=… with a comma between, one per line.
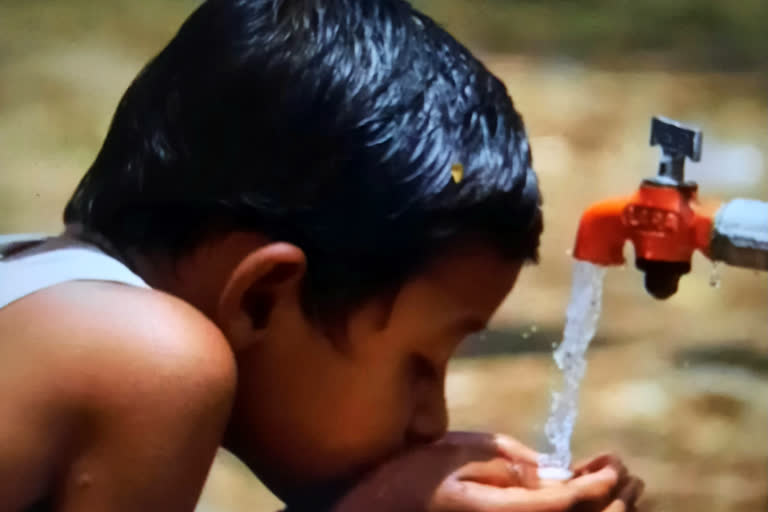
x=514, y=449
x=496, y=444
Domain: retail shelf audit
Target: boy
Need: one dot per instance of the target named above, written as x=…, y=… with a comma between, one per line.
x=300, y=209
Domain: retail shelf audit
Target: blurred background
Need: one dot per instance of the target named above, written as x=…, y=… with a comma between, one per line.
x=680, y=387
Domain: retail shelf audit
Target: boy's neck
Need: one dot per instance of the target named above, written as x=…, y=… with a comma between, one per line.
x=199, y=276
x=196, y=277
x=184, y=278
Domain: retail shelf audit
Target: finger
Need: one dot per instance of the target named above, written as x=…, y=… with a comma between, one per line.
x=630, y=493
x=594, y=486
x=600, y=462
x=500, y=472
x=596, y=463
x=616, y=506
x=582, y=465
x=476, y=496
x=479, y=497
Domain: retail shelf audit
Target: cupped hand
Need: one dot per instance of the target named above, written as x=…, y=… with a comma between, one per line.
x=472, y=472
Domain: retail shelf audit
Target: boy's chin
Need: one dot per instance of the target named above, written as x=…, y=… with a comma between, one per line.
x=313, y=485
x=315, y=496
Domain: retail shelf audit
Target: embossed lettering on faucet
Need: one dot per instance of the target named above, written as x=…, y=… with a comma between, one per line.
x=646, y=218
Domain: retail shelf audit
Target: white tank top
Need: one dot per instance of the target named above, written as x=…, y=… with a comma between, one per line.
x=29, y=263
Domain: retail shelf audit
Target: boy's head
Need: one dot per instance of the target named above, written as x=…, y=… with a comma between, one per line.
x=333, y=127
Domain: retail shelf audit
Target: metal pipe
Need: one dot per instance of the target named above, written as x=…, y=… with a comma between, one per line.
x=740, y=234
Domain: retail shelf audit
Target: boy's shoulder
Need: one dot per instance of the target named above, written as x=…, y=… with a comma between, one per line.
x=103, y=373
x=101, y=340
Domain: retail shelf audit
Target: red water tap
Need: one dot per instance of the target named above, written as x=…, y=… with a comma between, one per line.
x=663, y=219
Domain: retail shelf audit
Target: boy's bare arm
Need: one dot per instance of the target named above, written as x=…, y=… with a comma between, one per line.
x=143, y=385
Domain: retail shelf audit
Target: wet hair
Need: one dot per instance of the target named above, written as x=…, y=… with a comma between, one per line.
x=331, y=124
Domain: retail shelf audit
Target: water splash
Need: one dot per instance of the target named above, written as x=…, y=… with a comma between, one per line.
x=581, y=322
x=714, y=275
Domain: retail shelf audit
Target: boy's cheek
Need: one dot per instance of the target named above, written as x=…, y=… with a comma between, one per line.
x=336, y=448
x=323, y=431
x=357, y=420
x=323, y=415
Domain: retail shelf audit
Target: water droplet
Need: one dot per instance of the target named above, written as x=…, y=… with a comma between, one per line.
x=714, y=275
x=534, y=328
x=569, y=252
x=526, y=335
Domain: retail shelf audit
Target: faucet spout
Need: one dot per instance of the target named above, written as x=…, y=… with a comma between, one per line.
x=602, y=233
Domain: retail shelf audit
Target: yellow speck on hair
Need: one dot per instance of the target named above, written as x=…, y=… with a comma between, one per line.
x=457, y=172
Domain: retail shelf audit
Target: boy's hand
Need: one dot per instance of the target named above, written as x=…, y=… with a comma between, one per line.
x=624, y=495
x=468, y=472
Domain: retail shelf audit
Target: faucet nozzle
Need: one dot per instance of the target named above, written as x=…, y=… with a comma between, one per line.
x=663, y=218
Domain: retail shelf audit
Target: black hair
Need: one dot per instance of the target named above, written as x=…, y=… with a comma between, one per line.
x=331, y=124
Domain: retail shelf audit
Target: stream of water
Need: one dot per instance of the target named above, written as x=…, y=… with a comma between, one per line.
x=582, y=317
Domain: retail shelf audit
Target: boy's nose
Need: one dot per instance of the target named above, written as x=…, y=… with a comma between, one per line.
x=428, y=423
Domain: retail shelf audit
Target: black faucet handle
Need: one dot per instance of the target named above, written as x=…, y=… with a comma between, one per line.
x=675, y=138
x=677, y=142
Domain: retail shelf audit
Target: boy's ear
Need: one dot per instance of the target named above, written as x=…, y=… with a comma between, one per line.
x=268, y=276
